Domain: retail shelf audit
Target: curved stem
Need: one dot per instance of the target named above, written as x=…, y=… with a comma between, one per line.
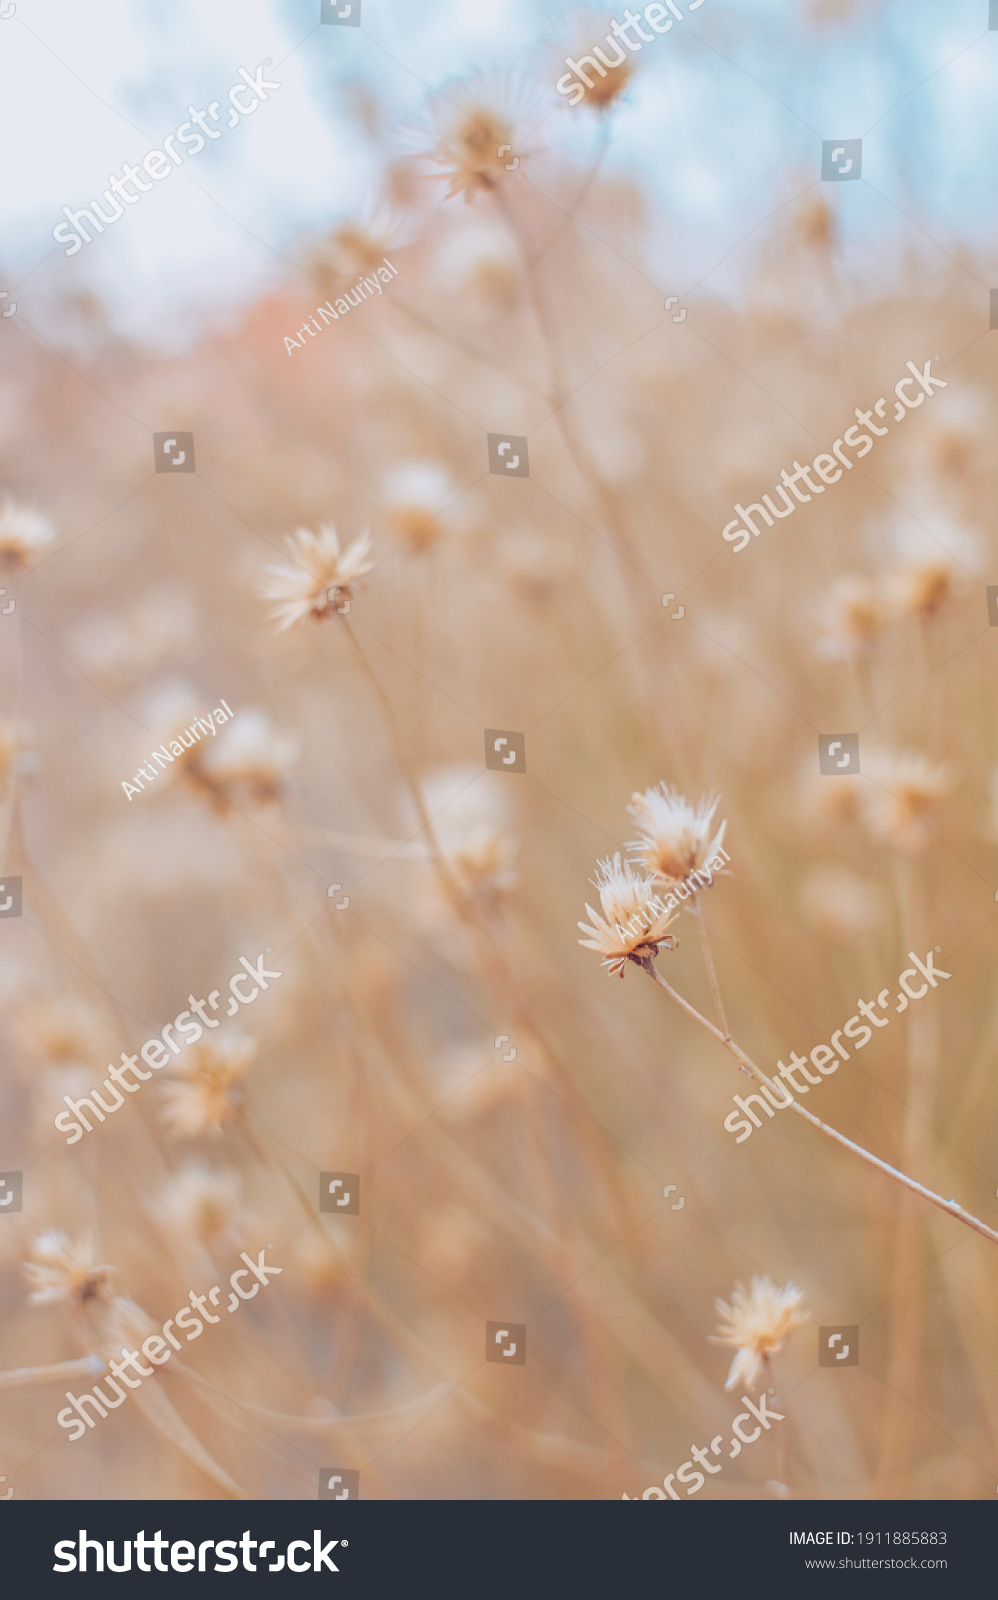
x=951, y=1207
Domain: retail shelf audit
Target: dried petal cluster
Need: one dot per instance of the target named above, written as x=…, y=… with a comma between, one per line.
x=755, y=1326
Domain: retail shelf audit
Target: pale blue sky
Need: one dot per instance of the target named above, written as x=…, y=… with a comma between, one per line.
x=724, y=123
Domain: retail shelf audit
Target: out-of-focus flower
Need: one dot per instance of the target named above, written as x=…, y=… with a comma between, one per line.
x=839, y=902
x=923, y=588
x=356, y=246
x=323, y=578
x=902, y=791
x=206, y=1093
x=415, y=494
x=24, y=533
x=857, y=614
x=615, y=72
x=202, y=1200
x=675, y=838
x=470, y=824
x=755, y=1326
x=62, y=1270
x=633, y=925
x=479, y=260
x=61, y=1028
x=472, y=135
x=250, y=757
x=117, y=650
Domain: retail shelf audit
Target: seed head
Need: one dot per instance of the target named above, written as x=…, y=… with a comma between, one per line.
x=323, y=577
x=633, y=925
x=675, y=838
x=755, y=1326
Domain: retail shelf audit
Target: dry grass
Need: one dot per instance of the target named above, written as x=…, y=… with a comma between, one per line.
x=532, y=1189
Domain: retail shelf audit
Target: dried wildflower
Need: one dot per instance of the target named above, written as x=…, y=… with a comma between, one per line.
x=322, y=579
x=468, y=124
x=206, y=1093
x=633, y=925
x=355, y=247
x=858, y=612
x=471, y=825
x=250, y=757
x=902, y=791
x=61, y=1028
x=675, y=838
x=23, y=534
x=62, y=1270
x=201, y=1199
x=415, y=495
x=755, y=1326
x=923, y=588
x=604, y=82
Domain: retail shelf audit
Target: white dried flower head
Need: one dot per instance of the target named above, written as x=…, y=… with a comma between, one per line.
x=323, y=577
x=201, y=1199
x=858, y=612
x=675, y=833
x=24, y=533
x=206, y=1092
x=468, y=124
x=62, y=1270
x=902, y=791
x=250, y=757
x=633, y=924
x=755, y=1326
x=415, y=495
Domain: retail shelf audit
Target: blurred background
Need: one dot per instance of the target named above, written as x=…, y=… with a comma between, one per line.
x=421, y=907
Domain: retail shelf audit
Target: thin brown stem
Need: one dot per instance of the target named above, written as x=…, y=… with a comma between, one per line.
x=951, y=1207
x=708, y=961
